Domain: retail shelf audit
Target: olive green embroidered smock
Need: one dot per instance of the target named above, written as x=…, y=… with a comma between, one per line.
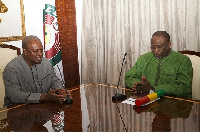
x=173, y=73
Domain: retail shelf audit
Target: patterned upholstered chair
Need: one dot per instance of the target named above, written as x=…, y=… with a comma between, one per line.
x=7, y=53
x=195, y=59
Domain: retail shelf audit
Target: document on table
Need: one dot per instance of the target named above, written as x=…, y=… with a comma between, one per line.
x=130, y=101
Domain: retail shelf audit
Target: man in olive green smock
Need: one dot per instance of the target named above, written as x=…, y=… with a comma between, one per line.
x=162, y=68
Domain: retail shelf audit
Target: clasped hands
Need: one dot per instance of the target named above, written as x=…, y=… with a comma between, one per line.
x=142, y=87
x=58, y=95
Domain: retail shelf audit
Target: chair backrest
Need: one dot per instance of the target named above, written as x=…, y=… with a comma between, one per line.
x=7, y=53
x=195, y=59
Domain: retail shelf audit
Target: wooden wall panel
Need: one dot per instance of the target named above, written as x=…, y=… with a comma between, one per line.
x=66, y=15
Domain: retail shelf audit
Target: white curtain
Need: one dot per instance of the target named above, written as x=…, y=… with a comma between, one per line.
x=111, y=28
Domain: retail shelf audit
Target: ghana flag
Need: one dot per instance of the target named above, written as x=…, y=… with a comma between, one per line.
x=51, y=37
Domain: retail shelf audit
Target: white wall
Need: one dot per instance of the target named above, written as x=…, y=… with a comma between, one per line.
x=33, y=10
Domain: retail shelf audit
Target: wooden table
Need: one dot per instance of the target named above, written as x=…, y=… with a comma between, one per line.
x=93, y=110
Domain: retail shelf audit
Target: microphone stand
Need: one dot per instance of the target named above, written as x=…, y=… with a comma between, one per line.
x=68, y=99
x=117, y=95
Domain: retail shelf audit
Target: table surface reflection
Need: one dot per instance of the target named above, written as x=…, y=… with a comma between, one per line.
x=93, y=110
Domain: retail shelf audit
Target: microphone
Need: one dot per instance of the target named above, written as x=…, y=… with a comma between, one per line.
x=68, y=99
x=117, y=95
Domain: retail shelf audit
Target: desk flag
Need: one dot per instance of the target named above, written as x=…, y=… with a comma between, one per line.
x=51, y=37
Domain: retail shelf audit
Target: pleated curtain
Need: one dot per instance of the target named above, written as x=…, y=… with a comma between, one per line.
x=111, y=28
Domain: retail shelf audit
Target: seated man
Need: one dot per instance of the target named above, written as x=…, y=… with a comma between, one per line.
x=30, y=78
x=162, y=68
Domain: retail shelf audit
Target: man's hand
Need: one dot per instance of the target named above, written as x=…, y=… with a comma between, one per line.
x=142, y=87
x=64, y=92
x=52, y=96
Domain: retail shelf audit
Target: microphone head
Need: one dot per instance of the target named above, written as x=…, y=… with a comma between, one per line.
x=119, y=96
x=125, y=54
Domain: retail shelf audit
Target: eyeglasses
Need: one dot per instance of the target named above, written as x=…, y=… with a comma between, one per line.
x=158, y=47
